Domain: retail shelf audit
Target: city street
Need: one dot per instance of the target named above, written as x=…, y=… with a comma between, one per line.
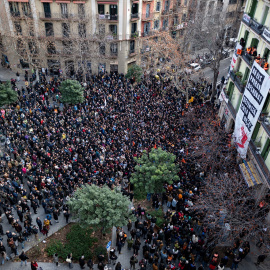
x=208, y=73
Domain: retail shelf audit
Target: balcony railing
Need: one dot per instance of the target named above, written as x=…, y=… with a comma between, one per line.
x=134, y=16
x=259, y=160
x=147, y=17
x=166, y=12
x=131, y=51
x=257, y=27
x=248, y=58
x=107, y=17
x=237, y=81
x=147, y=0
x=60, y=16
x=231, y=109
x=114, y=54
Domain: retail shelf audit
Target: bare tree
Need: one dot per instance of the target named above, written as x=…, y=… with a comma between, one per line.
x=208, y=31
x=162, y=58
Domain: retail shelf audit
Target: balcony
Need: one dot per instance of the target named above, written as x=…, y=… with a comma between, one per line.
x=231, y=109
x=114, y=55
x=134, y=17
x=107, y=17
x=132, y=52
x=237, y=81
x=166, y=12
x=148, y=33
x=147, y=17
x=247, y=58
x=60, y=17
x=256, y=27
x=259, y=160
x=253, y=24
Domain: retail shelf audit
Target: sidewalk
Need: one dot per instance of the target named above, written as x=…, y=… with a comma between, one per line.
x=7, y=74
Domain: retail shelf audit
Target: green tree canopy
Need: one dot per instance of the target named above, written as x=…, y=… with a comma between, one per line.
x=100, y=207
x=153, y=170
x=72, y=92
x=7, y=94
x=134, y=73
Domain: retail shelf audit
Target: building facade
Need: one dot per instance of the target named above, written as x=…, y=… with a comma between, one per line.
x=84, y=36
x=254, y=39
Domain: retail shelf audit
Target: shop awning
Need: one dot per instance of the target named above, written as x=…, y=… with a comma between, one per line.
x=250, y=173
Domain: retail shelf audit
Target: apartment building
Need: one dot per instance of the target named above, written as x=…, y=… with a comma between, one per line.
x=254, y=45
x=88, y=36
x=70, y=35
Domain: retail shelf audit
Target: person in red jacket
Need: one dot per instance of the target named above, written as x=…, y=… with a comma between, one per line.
x=34, y=265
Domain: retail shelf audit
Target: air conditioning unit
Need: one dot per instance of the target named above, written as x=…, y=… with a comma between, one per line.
x=266, y=120
x=258, y=150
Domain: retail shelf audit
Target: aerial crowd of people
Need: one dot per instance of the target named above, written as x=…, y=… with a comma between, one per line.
x=52, y=149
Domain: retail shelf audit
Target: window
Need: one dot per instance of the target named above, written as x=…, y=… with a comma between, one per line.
x=49, y=29
x=266, y=104
x=113, y=29
x=14, y=9
x=64, y=10
x=31, y=30
x=265, y=13
x=232, y=2
x=175, y=20
x=246, y=74
x=185, y=2
x=156, y=24
x=167, y=5
x=102, y=48
x=266, y=53
x=26, y=9
x=114, y=48
x=18, y=28
x=184, y=17
x=82, y=30
x=67, y=47
x=32, y=47
x=165, y=24
x=47, y=10
x=230, y=90
x=65, y=29
x=133, y=28
x=266, y=149
x=253, y=7
x=81, y=10
x=146, y=28
x=134, y=9
x=147, y=11
x=101, y=9
x=256, y=130
x=51, y=48
x=158, y=6
x=132, y=46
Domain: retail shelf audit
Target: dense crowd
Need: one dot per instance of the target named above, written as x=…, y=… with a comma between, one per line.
x=52, y=149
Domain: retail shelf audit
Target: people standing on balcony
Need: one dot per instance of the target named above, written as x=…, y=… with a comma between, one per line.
x=243, y=42
x=254, y=51
x=249, y=50
x=266, y=65
x=258, y=59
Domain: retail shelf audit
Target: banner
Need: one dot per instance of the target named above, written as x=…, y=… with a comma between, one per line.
x=252, y=102
x=235, y=55
x=266, y=34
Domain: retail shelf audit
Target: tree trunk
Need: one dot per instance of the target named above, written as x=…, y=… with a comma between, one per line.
x=214, y=86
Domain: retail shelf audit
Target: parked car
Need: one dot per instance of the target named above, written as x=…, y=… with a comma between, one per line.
x=195, y=66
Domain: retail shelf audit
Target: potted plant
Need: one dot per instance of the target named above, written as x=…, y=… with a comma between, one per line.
x=134, y=35
x=239, y=74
